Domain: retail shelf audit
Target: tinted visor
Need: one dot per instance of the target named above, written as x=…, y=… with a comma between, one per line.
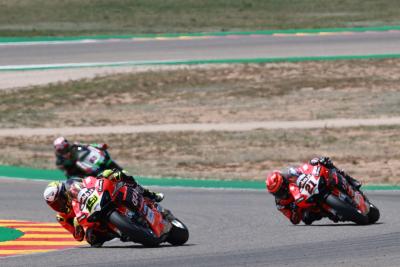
x=62, y=151
x=283, y=191
x=60, y=204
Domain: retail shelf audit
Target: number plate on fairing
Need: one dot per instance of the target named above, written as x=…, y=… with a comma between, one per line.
x=94, y=159
x=308, y=184
x=88, y=198
x=149, y=214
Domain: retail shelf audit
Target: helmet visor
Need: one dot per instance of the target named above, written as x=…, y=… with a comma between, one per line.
x=62, y=150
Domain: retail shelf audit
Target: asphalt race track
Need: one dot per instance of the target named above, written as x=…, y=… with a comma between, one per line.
x=227, y=228
x=213, y=47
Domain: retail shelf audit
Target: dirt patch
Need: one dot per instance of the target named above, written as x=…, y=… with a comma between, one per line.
x=234, y=93
x=237, y=93
x=369, y=153
x=15, y=80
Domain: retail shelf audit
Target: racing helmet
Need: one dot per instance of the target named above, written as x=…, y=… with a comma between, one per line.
x=276, y=183
x=56, y=197
x=61, y=146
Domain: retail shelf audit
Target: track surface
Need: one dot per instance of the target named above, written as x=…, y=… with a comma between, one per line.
x=228, y=228
x=223, y=47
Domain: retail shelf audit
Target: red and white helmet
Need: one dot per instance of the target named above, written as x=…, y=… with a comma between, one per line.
x=61, y=145
x=275, y=182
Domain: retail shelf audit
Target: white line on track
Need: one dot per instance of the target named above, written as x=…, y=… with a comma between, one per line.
x=87, y=65
x=64, y=42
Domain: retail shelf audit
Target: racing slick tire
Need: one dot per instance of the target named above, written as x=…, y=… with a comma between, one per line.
x=373, y=214
x=346, y=211
x=136, y=233
x=179, y=233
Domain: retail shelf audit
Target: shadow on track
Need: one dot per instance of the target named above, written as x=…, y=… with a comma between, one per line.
x=338, y=224
x=138, y=246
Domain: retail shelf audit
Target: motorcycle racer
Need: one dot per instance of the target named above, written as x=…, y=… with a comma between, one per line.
x=82, y=160
x=280, y=183
x=57, y=198
x=58, y=195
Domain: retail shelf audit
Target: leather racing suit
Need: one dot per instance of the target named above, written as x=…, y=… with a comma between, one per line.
x=85, y=160
x=286, y=203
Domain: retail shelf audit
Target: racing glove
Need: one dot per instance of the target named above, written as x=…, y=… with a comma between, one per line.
x=295, y=217
x=101, y=146
x=325, y=161
x=115, y=175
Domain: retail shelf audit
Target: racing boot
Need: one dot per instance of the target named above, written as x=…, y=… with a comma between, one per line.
x=79, y=233
x=96, y=239
x=353, y=182
x=333, y=218
x=117, y=175
x=123, y=175
x=124, y=238
x=309, y=217
x=157, y=197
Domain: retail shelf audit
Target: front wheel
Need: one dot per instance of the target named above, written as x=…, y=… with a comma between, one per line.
x=345, y=211
x=373, y=214
x=179, y=233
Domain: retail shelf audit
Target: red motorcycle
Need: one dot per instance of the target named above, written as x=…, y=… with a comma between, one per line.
x=119, y=209
x=326, y=191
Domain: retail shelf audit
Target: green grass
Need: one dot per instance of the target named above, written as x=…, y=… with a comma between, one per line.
x=96, y=17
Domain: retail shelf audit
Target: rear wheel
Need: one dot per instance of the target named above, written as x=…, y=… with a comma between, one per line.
x=345, y=211
x=136, y=233
x=179, y=233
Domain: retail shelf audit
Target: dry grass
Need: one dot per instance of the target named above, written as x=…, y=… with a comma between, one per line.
x=228, y=93
x=369, y=153
x=233, y=93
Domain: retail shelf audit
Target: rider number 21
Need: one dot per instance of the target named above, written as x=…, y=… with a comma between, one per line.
x=309, y=185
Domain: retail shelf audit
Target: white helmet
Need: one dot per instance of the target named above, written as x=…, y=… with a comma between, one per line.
x=56, y=197
x=61, y=145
